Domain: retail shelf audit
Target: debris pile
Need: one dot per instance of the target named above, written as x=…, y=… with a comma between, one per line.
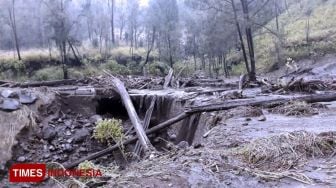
x=289, y=149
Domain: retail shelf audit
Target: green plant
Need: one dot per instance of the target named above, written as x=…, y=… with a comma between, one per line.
x=50, y=73
x=109, y=129
x=114, y=67
x=86, y=165
x=134, y=67
x=158, y=68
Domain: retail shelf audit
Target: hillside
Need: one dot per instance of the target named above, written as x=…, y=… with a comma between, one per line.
x=321, y=40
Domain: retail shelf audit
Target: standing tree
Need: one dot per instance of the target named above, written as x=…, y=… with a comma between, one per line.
x=9, y=7
x=166, y=20
x=133, y=13
x=111, y=4
x=61, y=24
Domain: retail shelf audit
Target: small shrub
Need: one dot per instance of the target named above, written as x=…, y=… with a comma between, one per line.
x=50, y=73
x=134, y=67
x=109, y=129
x=114, y=67
x=158, y=68
x=186, y=68
x=86, y=165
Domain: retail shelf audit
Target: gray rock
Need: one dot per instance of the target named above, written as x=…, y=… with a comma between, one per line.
x=82, y=149
x=95, y=118
x=9, y=93
x=183, y=145
x=52, y=148
x=80, y=135
x=56, y=157
x=9, y=104
x=21, y=159
x=48, y=133
x=68, y=133
x=262, y=118
x=27, y=97
x=68, y=123
x=47, y=155
x=68, y=148
x=69, y=141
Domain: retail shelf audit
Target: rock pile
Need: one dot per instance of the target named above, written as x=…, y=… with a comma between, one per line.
x=11, y=100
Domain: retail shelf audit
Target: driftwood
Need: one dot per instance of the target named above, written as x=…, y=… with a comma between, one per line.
x=129, y=141
x=126, y=99
x=254, y=102
x=146, y=123
x=168, y=79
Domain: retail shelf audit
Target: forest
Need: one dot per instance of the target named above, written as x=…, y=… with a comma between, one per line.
x=72, y=39
x=168, y=93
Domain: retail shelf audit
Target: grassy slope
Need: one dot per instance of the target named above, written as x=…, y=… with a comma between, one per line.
x=322, y=33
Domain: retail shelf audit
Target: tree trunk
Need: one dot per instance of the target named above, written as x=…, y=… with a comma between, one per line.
x=240, y=36
x=112, y=22
x=276, y=14
x=249, y=38
x=168, y=79
x=12, y=19
x=307, y=29
x=150, y=46
x=258, y=102
x=120, y=88
x=74, y=52
x=170, y=52
x=225, y=67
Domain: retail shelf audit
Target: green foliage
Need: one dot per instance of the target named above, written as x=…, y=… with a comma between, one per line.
x=158, y=68
x=186, y=68
x=50, y=73
x=134, y=67
x=86, y=165
x=239, y=69
x=109, y=129
x=12, y=64
x=114, y=67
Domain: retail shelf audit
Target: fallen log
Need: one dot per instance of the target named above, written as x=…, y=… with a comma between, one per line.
x=45, y=83
x=146, y=123
x=253, y=102
x=129, y=141
x=119, y=87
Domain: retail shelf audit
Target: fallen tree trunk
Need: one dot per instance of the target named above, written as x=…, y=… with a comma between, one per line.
x=126, y=99
x=45, y=83
x=236, y=103
x=146, y=123
x=129, y=141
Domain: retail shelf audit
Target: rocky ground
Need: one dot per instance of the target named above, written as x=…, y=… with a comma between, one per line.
x=287, y=145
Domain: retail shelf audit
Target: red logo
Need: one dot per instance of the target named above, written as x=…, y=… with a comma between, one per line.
x=34, y=173
x=27, y=172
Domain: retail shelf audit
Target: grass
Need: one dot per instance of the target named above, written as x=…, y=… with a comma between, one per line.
x=109, y=129
x=322, y=37
x=287, y=150
x=296, y=108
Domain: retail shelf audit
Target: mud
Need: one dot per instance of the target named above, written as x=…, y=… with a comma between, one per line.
x=200, y=151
